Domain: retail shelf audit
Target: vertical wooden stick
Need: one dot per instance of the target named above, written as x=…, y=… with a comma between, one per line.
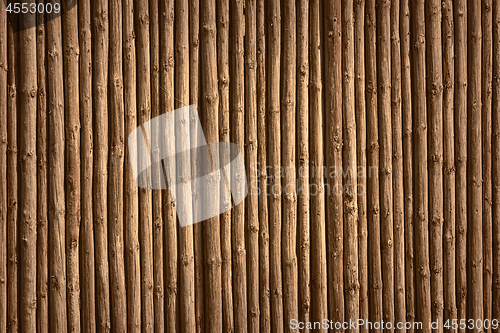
x=290, y=283
x=237, y=115
x=334, y=141
x=251, y=139
x=12, y=177
x=224, y=134
x=100, y=95
x=274, y=151
x=73, y=169
x=186, y=250
x=449, y=286
x=303, y=206
x=397, y=167
x=475, y=165
x=116, y=169
x=3, y=172
x=27, y=172
x=373, y=164
x=423, y=284
x=350, y=193
x=157, y=170
x=495, y=166
x=265, y=304
x=194, y=99
x=385, y=144
x=130, y=192
x=486, y=128
x=211, y=228
x=169, y=212
x=360, y=100
x=87, y=157
x=460, y=17
x=56, y=201
x=319, y=301
x=406, y=105
x=145, y=199
x=434, y=62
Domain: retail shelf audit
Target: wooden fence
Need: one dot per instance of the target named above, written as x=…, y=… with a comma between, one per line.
x=371, y=137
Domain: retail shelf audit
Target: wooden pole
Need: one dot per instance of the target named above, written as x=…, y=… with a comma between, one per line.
x=169, y=213
x=333, y=159
x=373, y=165
x=100, y=95
x=349, y=165
x=73, y=169
x=423, y=283
x=88, y=297
x=319, y=284
x=460, y=18
x=56, y=201
x=359, y=86
x=251, y=138
x=27, y=172
x=12, y=177
x=223, y=20
x=474, y=165
x=397, y=167
x=486, y=128
x=264, y=273
x=303, y=205
x=289, y=195
x=3, y=170
x=157, y=171
x=274, y=153
x=130, y=192
x=194, y=99
x=406, y=105
x=211, y=228
x=449, y=250
x=116, y=169
x=434, y=60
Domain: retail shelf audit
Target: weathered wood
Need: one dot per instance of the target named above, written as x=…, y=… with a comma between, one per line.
x=3, y=170
x=333, y=158
x=372, y=147
x=27, y=172
x=486, y=128
x=406, y=105
x=474, y=166
x=359, y=86
x=495, y=165
x=460, y=18
x=434, y=61
x=211, y=228
x=319, y=285
x=303, y=205
x=130, y=191
x=397, y=170
x=223, y=21
x=264, y=277
x=87, y=263
x=116, y=169
x=423, y=283
x=274, y=155
x=56, y=199
x=73, y=169
x=252, y=203
x=385, y=144
x=100, y=65
x=288, y=151
x=449, y=249
x=349, y=166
